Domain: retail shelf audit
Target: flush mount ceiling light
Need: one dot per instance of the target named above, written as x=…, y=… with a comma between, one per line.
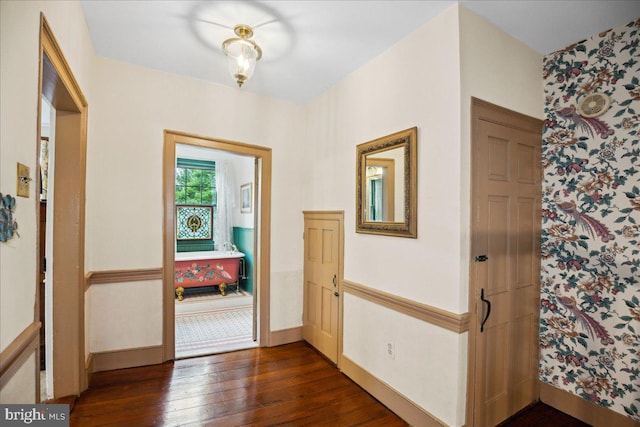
x=243, y=53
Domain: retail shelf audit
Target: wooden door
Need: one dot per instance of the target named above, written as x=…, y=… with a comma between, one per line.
x=322, y=277
x=505, y=269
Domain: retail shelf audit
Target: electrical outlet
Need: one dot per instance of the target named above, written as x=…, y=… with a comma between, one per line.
x=391, y=350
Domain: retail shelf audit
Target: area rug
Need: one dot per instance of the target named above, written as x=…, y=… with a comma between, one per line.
x=214, y=331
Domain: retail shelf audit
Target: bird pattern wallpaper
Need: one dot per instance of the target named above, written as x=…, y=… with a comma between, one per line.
x=590, y=307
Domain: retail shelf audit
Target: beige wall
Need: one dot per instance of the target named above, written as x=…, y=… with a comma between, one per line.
x=19, y=44
x=132, y=106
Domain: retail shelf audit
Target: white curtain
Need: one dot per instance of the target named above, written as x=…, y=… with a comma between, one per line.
x=226, y=202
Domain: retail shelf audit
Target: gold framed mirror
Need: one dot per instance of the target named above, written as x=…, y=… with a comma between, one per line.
x=386, y=185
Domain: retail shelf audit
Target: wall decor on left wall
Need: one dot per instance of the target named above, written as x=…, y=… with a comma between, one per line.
x=8, y=225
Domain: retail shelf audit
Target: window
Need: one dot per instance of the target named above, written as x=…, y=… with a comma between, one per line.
x=196, y=185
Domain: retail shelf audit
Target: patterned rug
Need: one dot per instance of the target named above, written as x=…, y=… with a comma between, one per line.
x=214, y=331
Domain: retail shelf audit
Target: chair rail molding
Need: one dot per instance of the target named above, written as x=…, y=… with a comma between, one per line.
x=458, y=323
x=121, y=276
x=18, y=351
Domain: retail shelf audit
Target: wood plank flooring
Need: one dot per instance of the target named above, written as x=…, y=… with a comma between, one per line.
x=286, y=385
x=541, y=415
x=289, y=385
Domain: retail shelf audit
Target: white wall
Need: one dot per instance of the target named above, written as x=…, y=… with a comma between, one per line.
x=415, y=83
x=499, y=69
x=120, y=318
x=22, y=386
x=245, y=174
x=132, y=106
x=19, y=47
x=424, y=367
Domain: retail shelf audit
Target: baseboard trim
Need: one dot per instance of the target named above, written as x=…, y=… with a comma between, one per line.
x=391, y=398
x=285, y=336
x=120, y=276
x=88, y=368
x=581, y=409
x=126, y=358
x=18, y=352
x=458, y=323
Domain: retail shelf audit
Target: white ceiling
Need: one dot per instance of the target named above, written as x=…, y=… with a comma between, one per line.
x=308, y=46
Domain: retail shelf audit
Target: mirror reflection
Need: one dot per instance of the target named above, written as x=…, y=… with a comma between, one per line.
x=385, y=186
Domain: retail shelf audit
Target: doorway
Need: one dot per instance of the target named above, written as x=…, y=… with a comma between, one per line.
x=215, y=310
x=46, y=165
x=504, y=271
x=259, y=200
x=65, y=279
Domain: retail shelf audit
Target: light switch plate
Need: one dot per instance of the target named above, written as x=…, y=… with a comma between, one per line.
x=23, y=180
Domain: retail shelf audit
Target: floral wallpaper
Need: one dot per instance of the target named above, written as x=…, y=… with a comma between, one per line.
x=590, y=307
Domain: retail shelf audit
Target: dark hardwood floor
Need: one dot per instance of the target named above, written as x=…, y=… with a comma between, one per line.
x=541, y=415
x=288, y=385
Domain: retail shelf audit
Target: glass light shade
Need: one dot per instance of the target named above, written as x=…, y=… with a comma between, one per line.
x=242, y=55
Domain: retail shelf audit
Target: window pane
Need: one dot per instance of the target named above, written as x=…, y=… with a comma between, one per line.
x=181, y=194
x=195, y=178
x=207, y=196
x=181, y=176
x=193, y=195
x=207, y=178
